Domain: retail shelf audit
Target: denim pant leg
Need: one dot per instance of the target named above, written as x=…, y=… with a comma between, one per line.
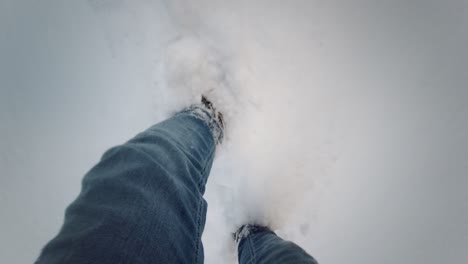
x=142, y=203
x=263, y=246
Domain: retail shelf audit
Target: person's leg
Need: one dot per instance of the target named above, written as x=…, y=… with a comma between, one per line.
x=142, y=203
x=258, y=245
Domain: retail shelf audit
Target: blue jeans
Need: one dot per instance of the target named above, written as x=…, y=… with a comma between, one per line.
x=143, y=203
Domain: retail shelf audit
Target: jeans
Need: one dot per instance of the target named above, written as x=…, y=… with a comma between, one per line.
x=143, y=203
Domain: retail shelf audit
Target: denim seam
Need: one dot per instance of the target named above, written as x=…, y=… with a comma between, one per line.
x=211, y=127
x=198, y=238
x=204, y=177
x=203, y=171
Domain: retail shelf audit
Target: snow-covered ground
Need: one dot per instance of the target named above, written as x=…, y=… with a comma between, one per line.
x=350, y=137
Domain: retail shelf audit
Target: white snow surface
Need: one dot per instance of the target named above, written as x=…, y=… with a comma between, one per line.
x=346, y=120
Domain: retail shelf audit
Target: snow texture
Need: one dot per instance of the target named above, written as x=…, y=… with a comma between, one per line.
x=345, y=120
x=261, y=186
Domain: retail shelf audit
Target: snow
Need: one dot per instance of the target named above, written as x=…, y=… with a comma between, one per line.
x=346, y=128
